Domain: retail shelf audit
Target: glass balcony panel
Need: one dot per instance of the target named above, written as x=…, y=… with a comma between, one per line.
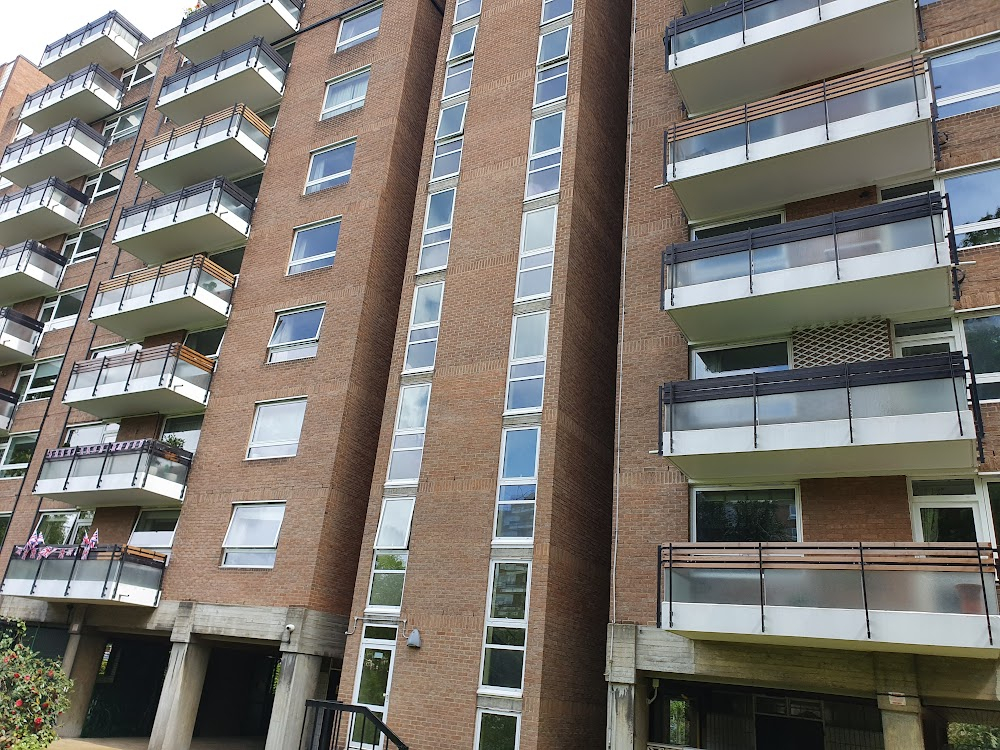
x=808, y=406
x=93, y=573
x=123, y=463
x=711, y=415
x=140, y=576
x=718, y=586
x=886, y=96
x=164, y=468
x=816, y=587
x=928, y=591
x=713, y=142
x=784, y=123
x=894, y=399
x=715, y=268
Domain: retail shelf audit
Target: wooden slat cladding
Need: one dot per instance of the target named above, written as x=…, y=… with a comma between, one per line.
x=177, y=266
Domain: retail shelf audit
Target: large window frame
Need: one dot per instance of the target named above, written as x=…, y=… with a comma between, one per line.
x=263, y=445
x=988, y=383
x=505, y=624
x=9, y=468
x=988, y=229
x=552, y=66
x=537, y=260
x=71, y=245
x=526, y=368
x=482, y=712
x=436, y=238
x=142, y=71
x=308, y=260
x=78, y=522
x=49, y=314
x=113, y=128
x=304, y=348
x=106, y=182
x=374, y=640
x=356, y=39
x=544, y=160
x=348, y=79
x=987, y=96
x=268, y=552
x=336, y=179
x=390, y=553
x=549, y=15
x=26, y=384
x=157, y=541
x=466, y=9
x=696, y=488
x=977, y=500
x=511, y=489
x=423, y=334
x=408, y=439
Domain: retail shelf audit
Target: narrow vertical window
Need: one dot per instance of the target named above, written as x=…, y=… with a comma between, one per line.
x=517, y=485
x=552, y=78
x=538, y=240
x=437, y=231
x=545, y=156
x=465, y=9
x=391, y=543
x=526, y=373
x=421, y=345
x=408, y=438
x=506, y=628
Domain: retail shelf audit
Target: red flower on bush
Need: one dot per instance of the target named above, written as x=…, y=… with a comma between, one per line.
x=38, y=720
x=18, y=703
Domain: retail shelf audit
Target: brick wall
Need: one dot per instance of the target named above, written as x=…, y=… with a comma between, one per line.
x=855, y=509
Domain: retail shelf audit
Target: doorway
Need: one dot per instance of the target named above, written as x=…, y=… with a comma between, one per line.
x=238, y=693
x=782, y=733
x=127, y=688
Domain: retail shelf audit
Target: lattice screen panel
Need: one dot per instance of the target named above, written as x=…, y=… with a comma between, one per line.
x=861, y=341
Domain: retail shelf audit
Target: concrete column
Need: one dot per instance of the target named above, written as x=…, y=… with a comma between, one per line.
x=899, y=702
x=627, y=719
x=298, y=682
x=81, y=662
x=902, y=729
x=178, y=707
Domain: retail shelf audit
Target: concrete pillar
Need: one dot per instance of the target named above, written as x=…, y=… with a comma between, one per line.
x=627, y=720
x=902, y=729
x=899, y=701
x=81, y=662
x=298, y=682
x=178, y=707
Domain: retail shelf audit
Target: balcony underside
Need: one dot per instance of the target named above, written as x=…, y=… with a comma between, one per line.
x=267, y=20
x=215, y=156
x=82, y=592
x=255, y=88
x=116, y=490
x=883, y=285
x=85, y=104
x=24, y=284
x=727, y=72
x=111, y=401
x=38, y=223
x=162, y=241
x=67, y=162
x=931, y=633
x=793, y=174
x=100, y=49
x=15, y=351
x=881, y=446
x=140, y=318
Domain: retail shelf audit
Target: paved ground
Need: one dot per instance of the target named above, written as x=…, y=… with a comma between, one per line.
x=138, y=743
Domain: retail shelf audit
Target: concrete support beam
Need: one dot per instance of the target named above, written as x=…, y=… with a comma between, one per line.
x=299, y=682
x=81, y=662
x=180, y=697
x=899, y=702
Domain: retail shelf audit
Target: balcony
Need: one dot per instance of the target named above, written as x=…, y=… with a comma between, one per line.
x=226, y=24
x=106, y=574
x=860, y=129
x=885, y=417
x=739, y=51
x=90, y=94
x=19, y=335
x=202, y=218
x=883, y=260
x=8, y=405
x=110, y=41
x=67, y=151
x=906, y=598
x=45, y=209
x=233, y=144
x=169, y=379
x=186, y=295
x=137, y=472
x=29, y=270
x=253, y=74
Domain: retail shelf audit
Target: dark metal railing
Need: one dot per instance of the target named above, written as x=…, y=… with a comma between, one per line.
x=80, y=78
x=332, y=725
x=166, y=363
x=216, y=191
x=847, y=377
x=61, y=134
x=20, y=256
x=204, y=16
x=232, y=119
x=248, y=55
x=198, y=271
x=839, y=575
x=40, y=192
x=65, y=459
x=102, y=25
x=931, y=206
x=12, y=315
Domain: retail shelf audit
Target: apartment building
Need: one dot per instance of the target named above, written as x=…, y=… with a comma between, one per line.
x=806, y=497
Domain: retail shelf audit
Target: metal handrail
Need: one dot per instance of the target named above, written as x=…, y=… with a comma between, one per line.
x=239, y=112
x=202, y=14
x=29, y=248
x=167, y=351
x=681, y=24
x=221, y=183
x=148, y=445
x=66, y=130
x=104, y=22
x=330, y=732
x=91, y=71
x=207, y=265
x=21, y=319
x=217, y=61
x=53, y=183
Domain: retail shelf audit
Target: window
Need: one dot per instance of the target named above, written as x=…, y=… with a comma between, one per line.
x=739, y=360
x=295, y=335
x=314, y=247
x=62, y=311
x=183, y=432
x=746, y=515
x=4, y=525
x=975, y=207
x=421, y=346
x=982, y=342
x=553, y=9
x=466, y=9
x=463, y=44
x=124, y=124
x=451, y=122
x=140, y=72
x=447, y=159
x=904, y=191
x=114, y=350
x=457, y=78
x=526, y=376
x=506, y=627
x=497, y=731
x=37, y=381
x=207, y=342
x=391, y=542
x=252, y=538
x=330, y=167
x=538, y=240
x=924, y=337
x=436, y=240
x=154, y=530
x=276, y=428
x=946, y=510
x=359, y=28
x=967, y=80
x=104, y=183
x=15, y=454
x=518, y=482
x=346, y=93
x=64, y=527
x=408, y=438
x=371, y=686
x=730, y=227
x=545, y=156
x=553, y=67
x=91, y=434
x=84, y=244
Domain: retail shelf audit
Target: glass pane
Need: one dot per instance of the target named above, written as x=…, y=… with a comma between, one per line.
x=346, y=95
x=439, y=209
x=254, y=526
x=157, y=520
x=206, y=342
x=923, y=327
x=510, y=590
x=520, y=458
x=764, y=515
x=740, y=359
x=413, y=407
x=186, y=430
x=374, y=676
x=315, y=241
x=547, y=134
x=279, y=422
x=966, y=70
x=983, y=338
x=737, y=226
x=297, y=326
x=55, y=527
x=427, y=308
x=539, y=229
x=948, y=524
x=462, y=43
x=975, y=198
x=553, y=46
x=530, y=332
x=938, y=487
x=394, y=531
x=356, y=30
x=451, y=122
x=503, y=668
x=497, y=732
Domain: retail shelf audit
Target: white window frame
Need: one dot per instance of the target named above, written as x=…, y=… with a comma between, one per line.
x=952, y=337
x=978, y=501
x=344, y=44
x=462, y=3
x=542, y=154
x=414, y=327
x=214, y=356
x=300, y=343
x=52, y=303
x=545, y=4
x=128, y=77
x=495, y=712
x=740, y=345
x=173, y=533
x=697, y=227
x=351, y=104
x=380, y=644
x=538, y=81
x=451, y=56
x=31, y=371
x=74, y=527
x=312, y=258
x=525, y=255
x=503, y=481
x=112, y=123
x=695, y=488
x=966, y=95
x=398, y=432
x=940, y=181
x=438, y=135
x=450, y=72
x=113, y=350
x=986, y=377
x=447, y=227
x=5, y=449
x=164, y=432
x=329, y=178
x=7, y=516
x=73, y=240
x=544, y=66
x=492, y=622
x=106, y=432
x=95, y=181
x=512, y=362
x=401, y=551
x=273, y=546
x=441, y=152
x=274, y=443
